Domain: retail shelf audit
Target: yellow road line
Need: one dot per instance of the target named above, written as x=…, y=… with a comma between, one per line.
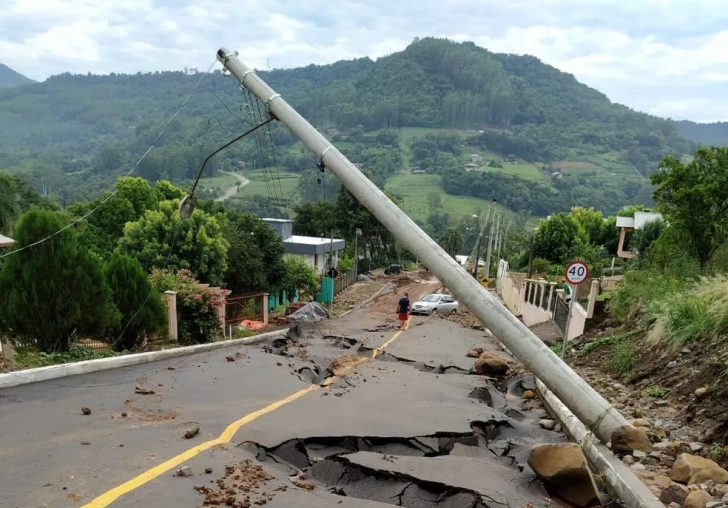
x=227, y=435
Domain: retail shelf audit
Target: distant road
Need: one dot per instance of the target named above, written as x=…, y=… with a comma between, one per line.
x=234, y=189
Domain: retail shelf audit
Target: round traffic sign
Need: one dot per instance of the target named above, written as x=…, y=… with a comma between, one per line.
x=577, y=272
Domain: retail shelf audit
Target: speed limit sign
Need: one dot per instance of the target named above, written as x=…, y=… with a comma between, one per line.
x=577, y=272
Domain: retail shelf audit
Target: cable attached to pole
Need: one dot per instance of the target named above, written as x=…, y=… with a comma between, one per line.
x=186, y=204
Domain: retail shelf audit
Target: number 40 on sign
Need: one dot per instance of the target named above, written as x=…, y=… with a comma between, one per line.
x=577, y=272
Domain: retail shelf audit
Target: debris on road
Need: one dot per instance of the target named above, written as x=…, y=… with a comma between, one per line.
x=563, y=467
x=475, y=352
x=86, y=410
x=241, y=482
x=143, y=391
x=192, y=432
x=184, y=472
x=491, y=363
x=208, y=470
x=85, y=443
x=310, y=313
x=230, y=358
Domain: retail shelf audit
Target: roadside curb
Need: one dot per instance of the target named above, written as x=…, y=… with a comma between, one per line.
x=362, y=304
x=24, y=377
x=621, y=481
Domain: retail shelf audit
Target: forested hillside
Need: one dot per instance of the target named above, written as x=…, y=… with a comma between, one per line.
x=710, y=134
x=73, y=135
x=10, y=78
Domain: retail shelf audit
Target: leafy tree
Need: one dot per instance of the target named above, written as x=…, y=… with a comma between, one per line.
x=693, y=198
x=556, y=237
x=55, y=291
x=255, y=257
x=10, y=208
x=591, y=221
x=451, y=241
x=161, y=239
x=298, y=275
x=141, y=307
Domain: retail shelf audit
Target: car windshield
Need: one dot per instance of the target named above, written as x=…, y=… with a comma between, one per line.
x=431, y=298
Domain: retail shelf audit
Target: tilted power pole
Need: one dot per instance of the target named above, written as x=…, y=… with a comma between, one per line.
x=588, y=405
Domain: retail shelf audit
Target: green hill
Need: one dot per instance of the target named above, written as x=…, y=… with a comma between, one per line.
x=10, y=78
x=711, y=134
x=546, y=140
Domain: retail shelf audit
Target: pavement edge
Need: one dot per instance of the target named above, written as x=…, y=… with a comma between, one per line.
x=28, y=376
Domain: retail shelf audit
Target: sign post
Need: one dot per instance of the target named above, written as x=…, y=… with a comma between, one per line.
x=576, y=273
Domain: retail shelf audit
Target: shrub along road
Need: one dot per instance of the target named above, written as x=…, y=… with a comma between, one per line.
x=350, y=413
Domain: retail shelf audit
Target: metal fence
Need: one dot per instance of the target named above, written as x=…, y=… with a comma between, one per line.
x=244, y=307
x=561, y=314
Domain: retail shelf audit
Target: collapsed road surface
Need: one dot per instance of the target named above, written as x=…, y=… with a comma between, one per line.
x=347, y=413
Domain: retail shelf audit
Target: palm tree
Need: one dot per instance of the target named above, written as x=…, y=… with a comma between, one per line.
x=451, y=241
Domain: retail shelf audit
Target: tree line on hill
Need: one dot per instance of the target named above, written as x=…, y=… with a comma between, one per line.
x=72, y=136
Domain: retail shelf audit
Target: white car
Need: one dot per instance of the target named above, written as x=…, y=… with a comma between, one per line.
x=435, y=302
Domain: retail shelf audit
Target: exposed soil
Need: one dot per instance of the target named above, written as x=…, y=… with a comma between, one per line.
x=136, y=409
x=660, y=387
x=354, y=295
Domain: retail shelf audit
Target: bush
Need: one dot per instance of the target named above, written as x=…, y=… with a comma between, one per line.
x=141, y=307
x=624, y=358
x=346, y=263
x=196, y=305
x=700, y=312
x=540, y=266
x=638, y=291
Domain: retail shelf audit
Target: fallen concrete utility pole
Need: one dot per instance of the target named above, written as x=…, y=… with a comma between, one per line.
x=590, y=407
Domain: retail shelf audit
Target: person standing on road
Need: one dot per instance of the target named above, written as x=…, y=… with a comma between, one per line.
x=403, y=307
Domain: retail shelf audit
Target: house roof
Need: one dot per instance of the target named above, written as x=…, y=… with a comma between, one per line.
x=311, y=240
x=6, y=241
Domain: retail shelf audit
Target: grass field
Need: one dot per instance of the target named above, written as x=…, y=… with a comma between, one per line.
x=524, y=170
x=414, y=190
x=222, y=182
x=279, y=182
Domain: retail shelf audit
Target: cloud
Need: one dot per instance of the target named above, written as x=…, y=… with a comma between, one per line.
x=664, y=57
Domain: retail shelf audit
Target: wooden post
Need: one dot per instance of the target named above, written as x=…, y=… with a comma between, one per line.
x=265, y=308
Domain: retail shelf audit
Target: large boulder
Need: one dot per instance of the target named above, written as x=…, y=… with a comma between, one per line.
x=674, y=493
x=717, y=474
x=697, y=499
x=687, y=465
x=491, y=364
x=628, y=439
x=563, y=467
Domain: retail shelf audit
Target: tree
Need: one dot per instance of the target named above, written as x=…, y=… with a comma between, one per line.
x=298, y=275
x=140, y=305
x=54, y=291
x=556, y=237
x=255, y=257
x=161, y=239
x=10, y=208
x=451, y=241
x=591, y=221
x=693, y=198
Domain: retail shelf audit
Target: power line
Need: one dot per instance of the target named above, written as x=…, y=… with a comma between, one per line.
x=126, y=177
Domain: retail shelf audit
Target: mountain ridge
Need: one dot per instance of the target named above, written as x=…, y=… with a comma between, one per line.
x=78, y=131
x=11, y=78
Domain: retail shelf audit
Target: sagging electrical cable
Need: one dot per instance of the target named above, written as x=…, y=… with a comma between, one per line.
x=186, y=204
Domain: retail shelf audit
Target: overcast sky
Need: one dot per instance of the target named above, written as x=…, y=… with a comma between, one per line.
x=666, y=57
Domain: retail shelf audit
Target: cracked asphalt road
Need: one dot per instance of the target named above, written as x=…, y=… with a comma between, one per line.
x=410, y=427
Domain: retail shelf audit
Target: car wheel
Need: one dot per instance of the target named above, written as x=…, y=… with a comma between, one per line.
x=433, y=311
x=454, y=311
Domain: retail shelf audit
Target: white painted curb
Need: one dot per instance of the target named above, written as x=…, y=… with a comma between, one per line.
x=24, y=377
x=621, y=481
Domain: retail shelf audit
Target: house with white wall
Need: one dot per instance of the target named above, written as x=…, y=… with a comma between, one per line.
x=630, y=224
x=321, y=253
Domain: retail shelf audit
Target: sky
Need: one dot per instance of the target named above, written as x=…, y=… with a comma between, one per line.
x=665, y=57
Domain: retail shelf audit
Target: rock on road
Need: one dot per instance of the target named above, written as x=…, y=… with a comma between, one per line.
x=345, y=424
